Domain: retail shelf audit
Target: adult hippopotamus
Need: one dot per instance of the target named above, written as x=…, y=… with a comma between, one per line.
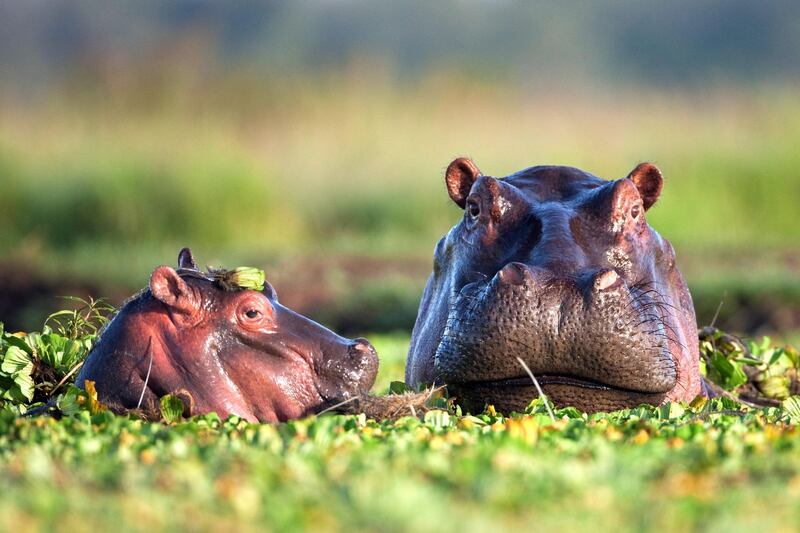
x=559, y=268
x=223, y=348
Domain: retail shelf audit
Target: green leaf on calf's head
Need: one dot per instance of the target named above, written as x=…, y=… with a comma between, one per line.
x=241, y=278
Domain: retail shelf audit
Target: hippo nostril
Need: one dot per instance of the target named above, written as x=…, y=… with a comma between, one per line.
x=514, y=274
x=362, y=365
x=363, y=346
x=605, y=280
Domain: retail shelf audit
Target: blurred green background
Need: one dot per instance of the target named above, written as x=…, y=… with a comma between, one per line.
x=311, y=137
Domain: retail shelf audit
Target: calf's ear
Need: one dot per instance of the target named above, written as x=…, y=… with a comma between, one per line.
x=459, y=177
x=648, y=181
x=168, y=287
x=186, y=260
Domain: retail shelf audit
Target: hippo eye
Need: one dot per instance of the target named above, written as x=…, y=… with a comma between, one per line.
x=635, y=210
x=473, y=209
x=252, y=314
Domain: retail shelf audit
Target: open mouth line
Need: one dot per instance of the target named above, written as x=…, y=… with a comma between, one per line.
x=545, y=379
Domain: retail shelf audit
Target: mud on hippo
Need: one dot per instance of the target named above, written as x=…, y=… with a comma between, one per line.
x=223, y=348
x=559, y=268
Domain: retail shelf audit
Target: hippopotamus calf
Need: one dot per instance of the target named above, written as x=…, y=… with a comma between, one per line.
x=560, y=269
x=222, y=348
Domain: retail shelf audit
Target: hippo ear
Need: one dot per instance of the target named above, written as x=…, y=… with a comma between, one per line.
x=185, y=259
x=460, y=176
x=168, y=287
x=648, y=181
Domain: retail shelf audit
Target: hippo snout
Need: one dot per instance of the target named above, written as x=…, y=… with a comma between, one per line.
x=589, y=328
x=348, y=372
x=364, y=357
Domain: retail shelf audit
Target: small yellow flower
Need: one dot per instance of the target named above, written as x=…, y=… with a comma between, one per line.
x=641, y=437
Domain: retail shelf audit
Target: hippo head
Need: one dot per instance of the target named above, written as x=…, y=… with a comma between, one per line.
x=223, y=348
x=560, y=269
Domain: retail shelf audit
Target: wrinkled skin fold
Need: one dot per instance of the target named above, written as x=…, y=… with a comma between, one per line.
x=223, y=350
x=559, y=268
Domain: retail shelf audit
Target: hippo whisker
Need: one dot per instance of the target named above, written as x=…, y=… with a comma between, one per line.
x=665, y=310
x=661, y=324
x=481, y=274
x=652, y=301
x=633, y=316
x=664, y=323
x=648, y=288
x=648, y=319
x=656, y=301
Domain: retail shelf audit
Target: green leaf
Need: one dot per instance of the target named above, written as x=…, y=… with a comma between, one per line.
x=13, y=394
x=569, y=412
x=777, y=355
x=792, y=407
x=671, y=410
x=71, y=401
x=725, y=373
x=73, y=353
x=699, y=402
x=399, y=387
x=16, y=361
x=9, y=390
x=438, y=419
x=22, y=343
x=48, y=348
x=774, y=382
x=25, y=384
x=171, y=408
x=249, y=278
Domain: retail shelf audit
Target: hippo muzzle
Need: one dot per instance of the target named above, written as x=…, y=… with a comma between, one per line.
x=343, y=378
x=592, y=341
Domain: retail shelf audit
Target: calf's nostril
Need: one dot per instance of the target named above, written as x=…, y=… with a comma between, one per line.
x=363, y=346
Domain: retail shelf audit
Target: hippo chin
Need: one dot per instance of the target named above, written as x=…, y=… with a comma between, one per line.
x=222, y=348
x=558, y=268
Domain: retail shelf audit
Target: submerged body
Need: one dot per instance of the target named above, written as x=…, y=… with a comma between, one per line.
x=559, y=268
x=225, y=349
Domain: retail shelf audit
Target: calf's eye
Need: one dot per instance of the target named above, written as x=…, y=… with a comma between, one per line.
x=252, y=314
x=635, y=210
